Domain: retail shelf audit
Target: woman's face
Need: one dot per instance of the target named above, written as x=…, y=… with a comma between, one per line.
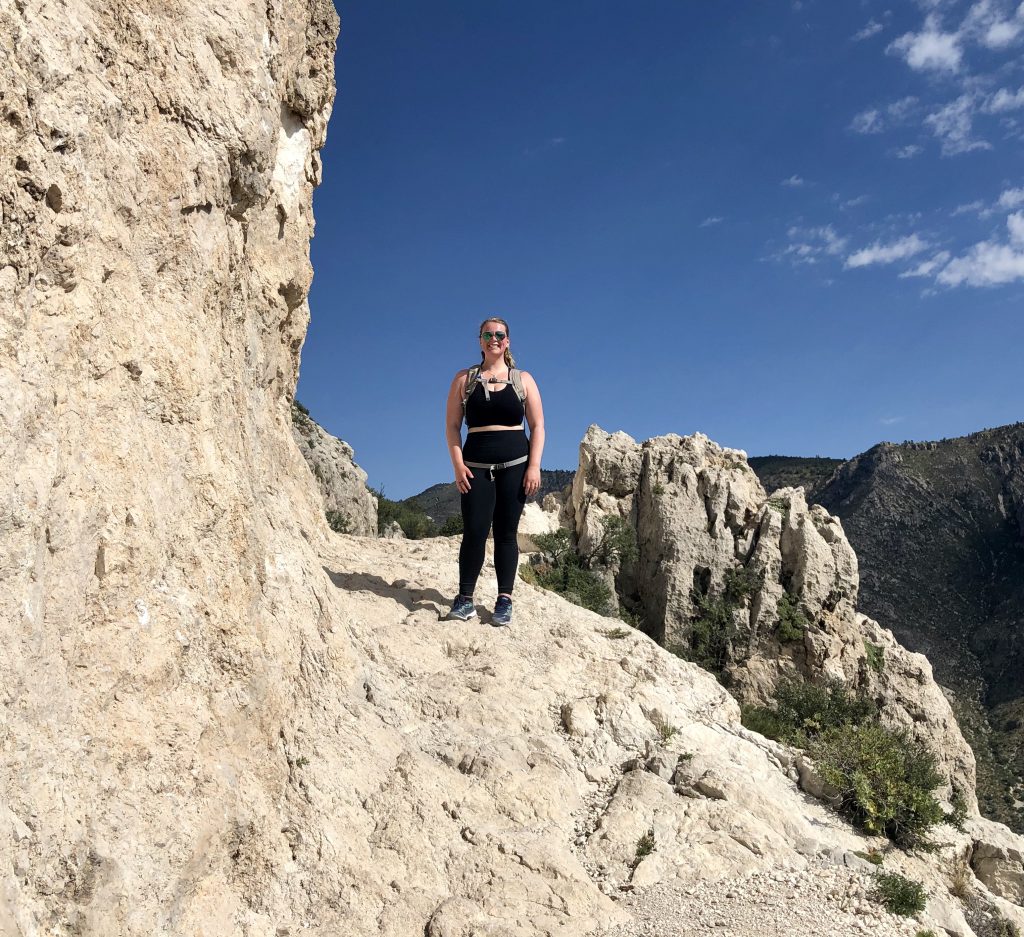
x=489, y=340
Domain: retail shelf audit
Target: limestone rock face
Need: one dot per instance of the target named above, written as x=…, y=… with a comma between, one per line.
x=700, y=513
x=163, y=602
x=342, y=483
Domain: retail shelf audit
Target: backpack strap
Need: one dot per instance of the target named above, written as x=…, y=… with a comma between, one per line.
x=472, y=379
x=515, y=376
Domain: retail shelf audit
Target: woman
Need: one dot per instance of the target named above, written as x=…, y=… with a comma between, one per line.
x=498, y=468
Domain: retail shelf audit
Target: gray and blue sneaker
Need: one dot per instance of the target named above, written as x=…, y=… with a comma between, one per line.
x=502, y=612
x=462, y=608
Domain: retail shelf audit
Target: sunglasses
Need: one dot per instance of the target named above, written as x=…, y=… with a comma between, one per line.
x=487, y=336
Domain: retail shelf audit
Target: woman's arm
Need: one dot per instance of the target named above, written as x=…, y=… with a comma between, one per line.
x=535, y=419
x=453, y=431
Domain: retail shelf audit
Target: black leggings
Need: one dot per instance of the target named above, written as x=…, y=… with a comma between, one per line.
x=500, y=499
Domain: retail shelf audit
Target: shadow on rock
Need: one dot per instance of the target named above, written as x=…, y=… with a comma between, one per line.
x=410, y=594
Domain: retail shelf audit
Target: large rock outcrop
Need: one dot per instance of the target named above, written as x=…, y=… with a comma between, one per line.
x=342, y=483
x=700, y=514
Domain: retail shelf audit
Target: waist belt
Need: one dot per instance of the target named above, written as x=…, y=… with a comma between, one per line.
x=493, y=467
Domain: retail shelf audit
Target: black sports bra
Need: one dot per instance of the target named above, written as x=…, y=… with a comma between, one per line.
x=503, y=409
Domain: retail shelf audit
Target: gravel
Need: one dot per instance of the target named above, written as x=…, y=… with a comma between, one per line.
x=824, y=899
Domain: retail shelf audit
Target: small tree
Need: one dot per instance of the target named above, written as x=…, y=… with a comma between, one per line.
x=452, y=526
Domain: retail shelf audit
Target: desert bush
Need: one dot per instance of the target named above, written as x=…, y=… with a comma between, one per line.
x=339, y=522
x=875, y=655
x=713, y=627
x=644, y=847
x=960, y=879
x=617, y=542
x=804, y=710
x=570, y=574
x=452, y=526
x=792, y=621
x=414, y=521
x=899, y=894
x=885, y=780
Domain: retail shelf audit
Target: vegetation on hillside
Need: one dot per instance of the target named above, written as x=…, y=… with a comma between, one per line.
x=414, y=522
x=884, y=779
x=780, y=471
x=936, y=528
x=575, y=574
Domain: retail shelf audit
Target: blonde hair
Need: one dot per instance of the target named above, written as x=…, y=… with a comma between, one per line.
x=510, y=362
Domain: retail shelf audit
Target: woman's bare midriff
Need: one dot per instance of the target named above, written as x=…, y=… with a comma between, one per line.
x=491, y=429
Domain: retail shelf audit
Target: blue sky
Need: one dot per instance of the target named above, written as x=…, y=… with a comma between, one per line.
x=797, y=227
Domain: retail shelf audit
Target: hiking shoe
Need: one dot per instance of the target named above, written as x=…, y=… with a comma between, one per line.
x=462, y=608
x=502, y=612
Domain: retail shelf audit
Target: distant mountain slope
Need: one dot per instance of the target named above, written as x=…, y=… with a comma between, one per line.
x=442, y=501
x=784, y=471
x=938, y=529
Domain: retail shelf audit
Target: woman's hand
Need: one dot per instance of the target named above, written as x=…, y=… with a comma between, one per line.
x=462, y=477
x=531, y=481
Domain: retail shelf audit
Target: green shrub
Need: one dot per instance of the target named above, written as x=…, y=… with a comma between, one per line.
x=666, y=731
x=874, y=856
x=644, y=847
x=957, y=817
x=713, y=627
x=875, y=655
x=658, y=490
x=557, y=545
x=925, y=933
x=452, y=526
x=804, y=710
x=899, y=895
x=885, y=780
x=339, y=522
x=617, y=542
x=779, y=505
x=809, y=709
x=567, y=573
x=616, y=633
x=792, y=621
x=414, y=521
x=765, y=722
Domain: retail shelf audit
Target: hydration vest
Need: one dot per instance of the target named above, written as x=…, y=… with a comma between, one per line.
x=515, y=378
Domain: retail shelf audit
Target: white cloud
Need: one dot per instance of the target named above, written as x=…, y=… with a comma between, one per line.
x=900, y=110
x=713, y=220
x=1001, y=35
x=977, y=206
x=879, y=253
x=889, y=420
x=872, y=28
x=1005, y=100
x=927, y=268
x=954, y=125
x=990, y=23
x=989, y=263
x=907, y=152
x=869, y=121
x=872, y=120
x=809, y=245
x=793, y=182
x=931, y=49
x=1010, y=199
